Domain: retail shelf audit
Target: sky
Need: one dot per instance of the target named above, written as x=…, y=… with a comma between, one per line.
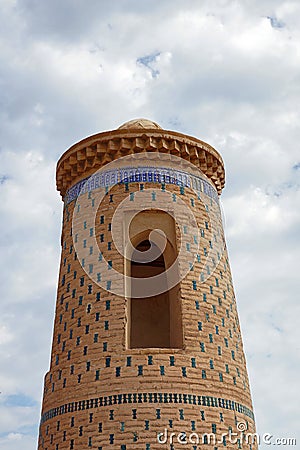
x=225, y=71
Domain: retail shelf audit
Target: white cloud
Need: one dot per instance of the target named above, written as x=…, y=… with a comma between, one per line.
x=5, y=335
x=18, y=440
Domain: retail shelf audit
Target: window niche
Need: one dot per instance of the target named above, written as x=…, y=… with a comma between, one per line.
x=154, y=321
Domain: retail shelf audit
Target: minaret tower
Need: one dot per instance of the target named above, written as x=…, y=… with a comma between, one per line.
x=147, y=350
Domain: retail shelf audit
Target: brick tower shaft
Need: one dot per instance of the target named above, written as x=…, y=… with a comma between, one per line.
x=147, y=343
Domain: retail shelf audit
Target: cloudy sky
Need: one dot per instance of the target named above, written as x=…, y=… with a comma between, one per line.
x=226, y=71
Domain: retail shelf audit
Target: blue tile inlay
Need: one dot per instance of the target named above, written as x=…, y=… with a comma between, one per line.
x=161, y=175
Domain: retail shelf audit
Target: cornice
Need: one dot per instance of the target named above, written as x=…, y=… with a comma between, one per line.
x=95, y=151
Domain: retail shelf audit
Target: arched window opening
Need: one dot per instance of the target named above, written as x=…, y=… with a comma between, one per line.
x=154, y=321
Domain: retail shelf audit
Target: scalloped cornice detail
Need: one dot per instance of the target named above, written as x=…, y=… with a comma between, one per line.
x=97, y=150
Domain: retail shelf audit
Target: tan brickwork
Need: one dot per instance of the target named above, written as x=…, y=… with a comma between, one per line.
x=99, y=393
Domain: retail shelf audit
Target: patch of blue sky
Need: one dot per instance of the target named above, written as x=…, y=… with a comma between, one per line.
x=20, y=400
x=277, y=328
x=29, y=430
x=275, y=23
x=147, y=61
x=3, y=178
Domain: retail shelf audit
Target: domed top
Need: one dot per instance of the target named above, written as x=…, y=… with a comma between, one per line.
x=140, y=123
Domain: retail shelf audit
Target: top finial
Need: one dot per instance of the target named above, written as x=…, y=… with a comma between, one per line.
x=140, y=123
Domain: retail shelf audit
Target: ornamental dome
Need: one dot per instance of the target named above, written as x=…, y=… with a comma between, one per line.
x=140, y=123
